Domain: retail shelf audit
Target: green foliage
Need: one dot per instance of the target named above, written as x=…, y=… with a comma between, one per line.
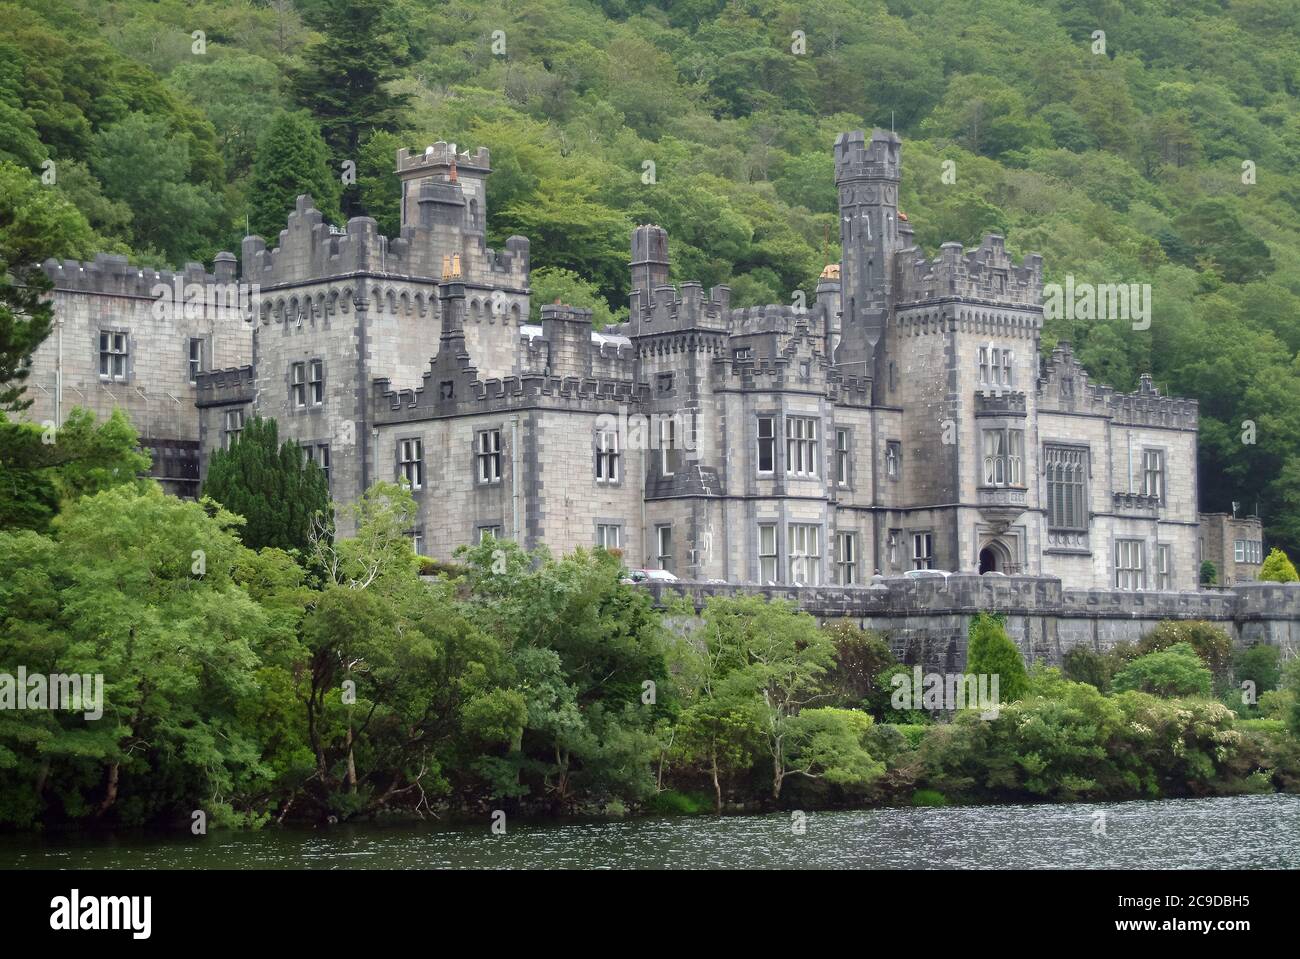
x=1277, y=568
x=1212, y=643
x=35, y=224
x=1209, y=575
x=41, y=468
x=281, y=496
x=291, y=159
x=991, y=652
x=1261, y=664
x=929, y=797
x=1174, y=671
x=1083, y=665
x=860, y=657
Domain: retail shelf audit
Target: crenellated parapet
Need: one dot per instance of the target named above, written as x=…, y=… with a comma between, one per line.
x=1065, y=386
x=226, y=387
x=310, y=249
x=111, y=274
x=666, y=309
x=466, y=394
x=986, y=273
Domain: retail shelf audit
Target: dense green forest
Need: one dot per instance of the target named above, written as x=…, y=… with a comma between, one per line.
x=1164, y=152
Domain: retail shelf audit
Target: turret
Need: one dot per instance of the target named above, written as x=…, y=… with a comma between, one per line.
x=867, y=174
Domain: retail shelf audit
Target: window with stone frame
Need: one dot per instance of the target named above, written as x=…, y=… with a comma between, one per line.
x=670, y=453
x=767, y=558
x=842, y=460
x=113, y=349
x=1153, y=473
x=489, y=530
x=664, y=547
x=410, y=462
x=766, y=444
x=607, y=456
x=609, y=536
x=195, y=358
x=1164, y=567
x=801, y=446
x=891, y=547
x=298, y=385
x=1130, y=566
x=234, y=426
x=923, y=550
x=316, y=382
x=1004, y=455
x=846, y=558
x=1067, y=486
x=803, y=543
x=487, y=454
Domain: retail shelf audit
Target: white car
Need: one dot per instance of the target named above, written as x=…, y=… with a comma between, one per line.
x=648, y=575
x=927, y=574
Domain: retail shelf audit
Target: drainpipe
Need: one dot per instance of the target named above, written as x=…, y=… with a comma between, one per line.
x=58, y=377
x=514, y=477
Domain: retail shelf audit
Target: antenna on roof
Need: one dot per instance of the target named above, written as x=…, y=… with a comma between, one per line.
x=891, y=121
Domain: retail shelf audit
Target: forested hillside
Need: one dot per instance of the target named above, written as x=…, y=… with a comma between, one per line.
x=1169, y=157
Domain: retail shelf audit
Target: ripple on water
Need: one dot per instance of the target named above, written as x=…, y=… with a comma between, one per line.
x=1241, y=832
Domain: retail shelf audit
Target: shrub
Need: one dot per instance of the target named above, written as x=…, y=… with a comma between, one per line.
x=1260, y=665
x=1210, y=642
x=1209, y=575
x=860, y=656
x=1084, y=665
x=1277, y=568
x=1176, y=671
x=929, y=797
x=672, y=802
x=991, y=652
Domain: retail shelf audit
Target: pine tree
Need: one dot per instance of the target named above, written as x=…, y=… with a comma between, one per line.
x=991, y=652
x=344, y=81
x=270, y=485
x=1278, y=568
x=292, y=159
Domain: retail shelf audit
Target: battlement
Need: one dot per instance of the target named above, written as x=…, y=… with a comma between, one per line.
x=1064, y=385
x=112, y=274
x=437, y=159
x=1000, y=403
x=224, y=387
x=666, y=310
x=860, y=158
x=311, y=249
x=467, y=394
x=986, y=273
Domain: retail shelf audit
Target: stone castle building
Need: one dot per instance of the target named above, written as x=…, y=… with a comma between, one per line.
x=903, y=419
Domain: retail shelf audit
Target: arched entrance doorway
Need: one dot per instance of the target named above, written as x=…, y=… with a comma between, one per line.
x=994, y=558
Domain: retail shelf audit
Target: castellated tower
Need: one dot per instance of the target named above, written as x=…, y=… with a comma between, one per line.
x=867, y=175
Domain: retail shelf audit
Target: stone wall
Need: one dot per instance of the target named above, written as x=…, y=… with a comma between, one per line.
x=926, y=620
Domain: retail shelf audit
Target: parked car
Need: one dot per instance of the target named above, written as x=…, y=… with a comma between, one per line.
x=927, y=574
x=647, y=575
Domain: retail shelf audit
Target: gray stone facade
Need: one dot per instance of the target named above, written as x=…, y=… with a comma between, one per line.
x=900, y=420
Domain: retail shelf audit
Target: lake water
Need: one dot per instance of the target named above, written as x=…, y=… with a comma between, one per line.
x=1245, y=832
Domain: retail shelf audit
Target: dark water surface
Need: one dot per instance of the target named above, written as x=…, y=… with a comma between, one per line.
x=1243, y=832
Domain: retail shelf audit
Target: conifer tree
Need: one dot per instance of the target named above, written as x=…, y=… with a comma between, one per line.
x=1278, y=568
x=991, y=652
x=344, y=81
x=270, y=485
x=291, y=159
